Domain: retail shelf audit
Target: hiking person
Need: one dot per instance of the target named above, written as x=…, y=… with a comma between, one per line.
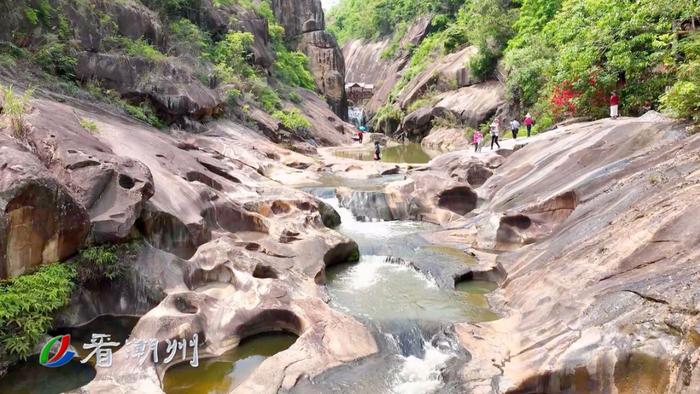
x=477, y=139
x=362, y=133
x=377, y=151
x=515, y=128
x=495, y=132
x=614, y=105
x=528, y=123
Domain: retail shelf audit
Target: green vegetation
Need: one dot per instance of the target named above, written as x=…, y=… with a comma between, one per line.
x=57, y=58
x=597, y=47
x=89, y=125
x=387, y=118
x=220, y=59
x=292, y=119
x=375, y=18
x=683, y=98
x=561, y=57
x=141, y=48
x=104, y=262
x=28, y=302
x=188, y=39
x=14, y=108
x=27, y=305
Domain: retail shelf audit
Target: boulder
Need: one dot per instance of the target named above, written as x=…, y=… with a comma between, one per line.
x=40, y=222
x=443, y=139
x=175, y=93
x=450, y=72
x=418, y=123
x=299, y=16
x=605, y=211
x=112, y=188
x=473, y=104
x=328, y=67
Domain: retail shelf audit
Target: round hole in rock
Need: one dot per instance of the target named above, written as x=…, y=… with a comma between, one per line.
x=263, y=271
x=126, y=181
x=252, y=246
x=184, y=305
x=30, y=377
x=280, y=207
x=224, y=373
x=460, y=200
x=520, y=221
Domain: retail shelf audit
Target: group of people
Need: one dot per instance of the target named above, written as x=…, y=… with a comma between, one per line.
x=495, y=132
x=495, y=128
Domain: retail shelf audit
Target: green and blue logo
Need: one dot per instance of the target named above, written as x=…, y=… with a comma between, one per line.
x=62, y=357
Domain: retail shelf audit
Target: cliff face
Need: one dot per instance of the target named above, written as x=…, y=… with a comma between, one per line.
x=304, y=24
x=443, y=87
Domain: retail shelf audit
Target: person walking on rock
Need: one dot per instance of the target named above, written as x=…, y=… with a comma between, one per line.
x=528, y=123
x=495, y=130
x=614, y=105
x=477, y=139
x=377, y=151
x=515, y=128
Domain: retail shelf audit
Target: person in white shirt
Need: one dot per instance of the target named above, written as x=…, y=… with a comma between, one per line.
x=515, y=127
x=495, y=133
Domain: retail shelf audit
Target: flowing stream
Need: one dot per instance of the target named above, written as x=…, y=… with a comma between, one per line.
x=409, y=311
x=405, y=153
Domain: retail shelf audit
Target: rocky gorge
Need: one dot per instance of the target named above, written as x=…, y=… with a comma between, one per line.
x=562, y=263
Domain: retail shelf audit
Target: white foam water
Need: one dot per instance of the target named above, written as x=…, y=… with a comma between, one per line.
x=422, y=375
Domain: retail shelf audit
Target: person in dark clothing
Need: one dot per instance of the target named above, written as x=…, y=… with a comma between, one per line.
x=377, y=151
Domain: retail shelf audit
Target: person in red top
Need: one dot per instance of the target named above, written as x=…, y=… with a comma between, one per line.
x=614, y=105
x=528, y=122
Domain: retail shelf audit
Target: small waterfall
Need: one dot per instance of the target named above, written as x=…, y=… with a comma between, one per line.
x=367, y=206
x=356, y=116
x=408, y=309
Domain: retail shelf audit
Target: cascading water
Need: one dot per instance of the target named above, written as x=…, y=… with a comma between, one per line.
x=409, y=312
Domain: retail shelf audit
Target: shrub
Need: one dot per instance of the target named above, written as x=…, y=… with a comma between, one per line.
x=31, y=15
x=57, y=58
x=188, y=39
x=295, y=97
x=682, y=100
x=27, y=305
x=89, y=125
x=483, y=64
x=387, y=118
x=140, y=48
x=15, y=107
x=292, y=69
x=233, y=52
x=292, y=119
x=144, y=113
x=268, y=98
x=104, y=262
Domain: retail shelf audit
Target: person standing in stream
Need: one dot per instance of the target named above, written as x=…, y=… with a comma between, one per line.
x=377, y=151
x=614, y=105
x=495, y=130
x=528, y=123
